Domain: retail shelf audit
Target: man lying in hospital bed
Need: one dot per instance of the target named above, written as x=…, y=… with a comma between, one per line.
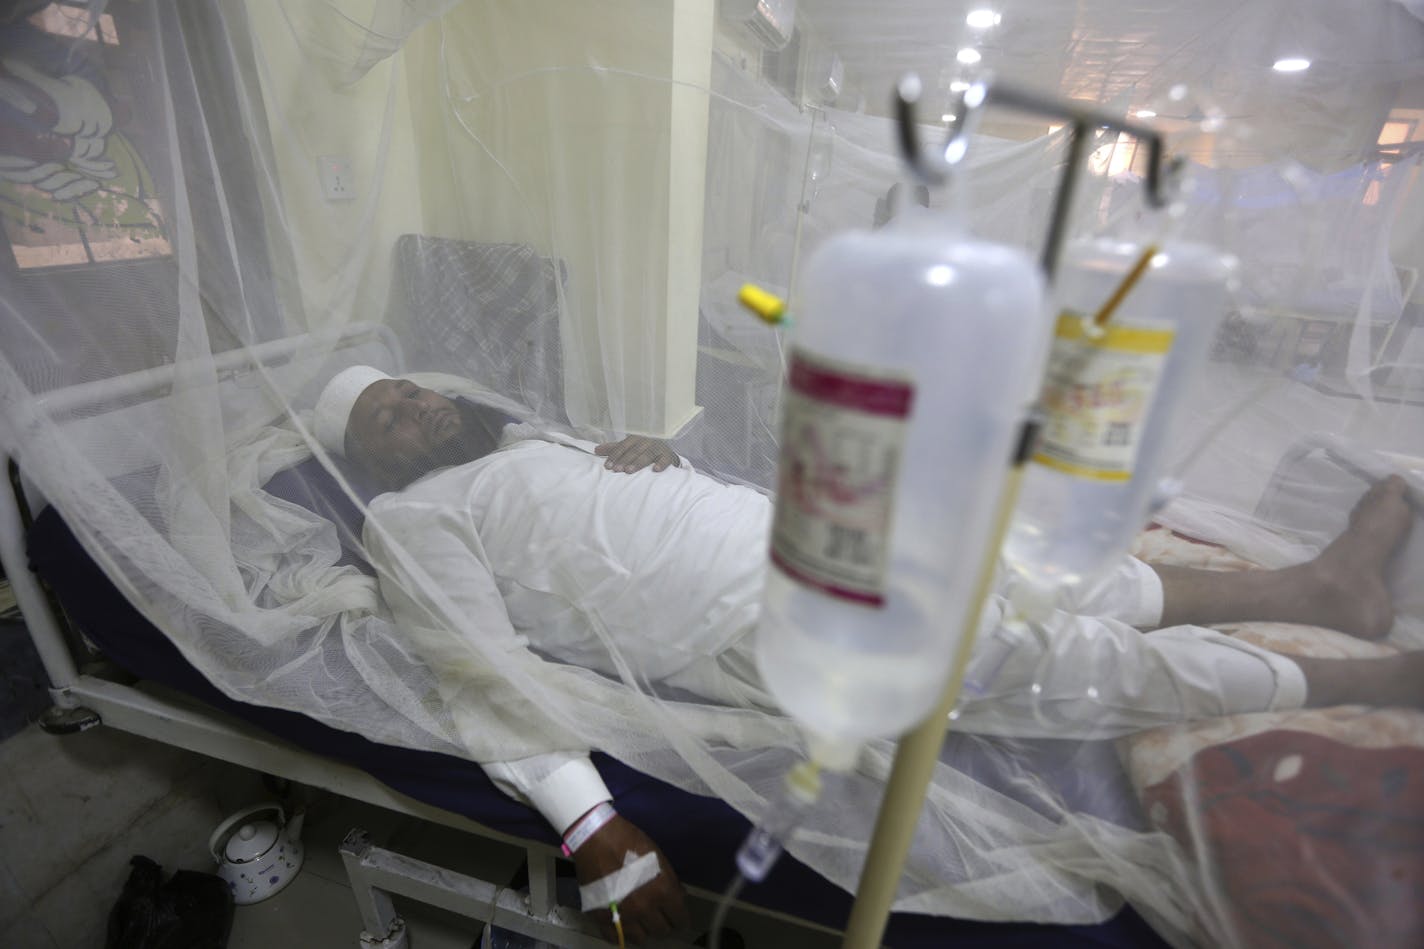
x=551, y=543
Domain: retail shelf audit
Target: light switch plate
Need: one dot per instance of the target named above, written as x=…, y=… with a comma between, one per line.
x=337, y=183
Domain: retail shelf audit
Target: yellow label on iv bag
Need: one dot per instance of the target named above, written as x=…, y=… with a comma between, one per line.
x=1099, y=388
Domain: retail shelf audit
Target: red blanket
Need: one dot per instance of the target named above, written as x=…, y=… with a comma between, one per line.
x=1312, y=842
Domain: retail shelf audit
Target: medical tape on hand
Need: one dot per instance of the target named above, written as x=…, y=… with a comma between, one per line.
x=636, y=871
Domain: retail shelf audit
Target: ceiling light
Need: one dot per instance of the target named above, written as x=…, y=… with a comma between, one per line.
x=1146, y=114
x=940, y=275
x=959, y=85
x=983, y=18
x=1291, y=64
x=969, y=56
x=948, y=117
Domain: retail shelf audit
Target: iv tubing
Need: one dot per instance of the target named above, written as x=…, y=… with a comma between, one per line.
x=801, y=204
x=719, y=918
x=919, y=751
x=1124, y=288
x=617, y=924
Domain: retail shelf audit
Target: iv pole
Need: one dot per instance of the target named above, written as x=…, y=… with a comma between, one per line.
x=918, y=751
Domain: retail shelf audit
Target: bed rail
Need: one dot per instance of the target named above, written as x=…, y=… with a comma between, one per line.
x=158, y=380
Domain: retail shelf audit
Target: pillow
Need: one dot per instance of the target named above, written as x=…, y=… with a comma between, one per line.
x=489, y=312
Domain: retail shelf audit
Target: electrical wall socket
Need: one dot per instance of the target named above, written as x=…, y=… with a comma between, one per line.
x=337, y=183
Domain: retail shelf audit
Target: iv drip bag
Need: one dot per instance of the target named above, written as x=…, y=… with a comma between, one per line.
x=915, y=352
x=1111, y=399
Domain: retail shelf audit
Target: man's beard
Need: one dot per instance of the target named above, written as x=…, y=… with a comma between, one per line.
x=478, y=435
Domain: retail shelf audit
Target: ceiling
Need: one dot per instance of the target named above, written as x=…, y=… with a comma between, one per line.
x=1367, y=55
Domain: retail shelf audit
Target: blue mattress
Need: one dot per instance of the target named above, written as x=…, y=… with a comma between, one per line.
x=698, y=834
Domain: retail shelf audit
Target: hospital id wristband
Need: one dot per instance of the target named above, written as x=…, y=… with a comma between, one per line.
x=586, y=826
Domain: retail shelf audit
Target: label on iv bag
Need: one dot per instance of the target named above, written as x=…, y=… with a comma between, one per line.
x=843, y=433
x=1097, y=395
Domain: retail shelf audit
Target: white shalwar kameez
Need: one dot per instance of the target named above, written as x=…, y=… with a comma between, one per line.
x=543, y=547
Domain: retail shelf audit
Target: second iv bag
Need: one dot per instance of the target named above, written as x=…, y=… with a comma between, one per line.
x=1112, y=397
x=915, y=352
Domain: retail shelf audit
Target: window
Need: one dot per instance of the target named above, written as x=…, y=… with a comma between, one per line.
x=76, y=184
x=1114, y=157
x=1400, y=134
x=63, y=19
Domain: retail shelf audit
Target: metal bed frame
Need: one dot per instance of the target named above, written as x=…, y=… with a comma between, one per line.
x=86, y=694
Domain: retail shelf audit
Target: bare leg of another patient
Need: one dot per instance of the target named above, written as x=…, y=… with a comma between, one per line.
x=1342, y=589
x=1382, y=683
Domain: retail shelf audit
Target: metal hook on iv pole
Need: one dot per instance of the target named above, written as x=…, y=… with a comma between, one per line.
x=933, y=169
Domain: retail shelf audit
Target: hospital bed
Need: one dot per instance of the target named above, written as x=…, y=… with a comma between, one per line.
x=1304, y=331
x=108, y=666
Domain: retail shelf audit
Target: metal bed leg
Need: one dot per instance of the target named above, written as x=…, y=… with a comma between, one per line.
x=543, y=881
x=41, y=612
x=384, y=929
x=62, y=720
x=376, y=874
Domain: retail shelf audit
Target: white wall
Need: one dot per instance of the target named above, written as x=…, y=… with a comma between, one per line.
x=564, y=132
x=342, y=248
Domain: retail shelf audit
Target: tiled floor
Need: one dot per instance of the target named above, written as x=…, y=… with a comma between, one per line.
x=73, y=810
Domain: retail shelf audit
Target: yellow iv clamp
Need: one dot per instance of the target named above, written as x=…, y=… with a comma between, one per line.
x=918, y=751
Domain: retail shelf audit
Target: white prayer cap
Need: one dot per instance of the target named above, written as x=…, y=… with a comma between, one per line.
x=333, y=408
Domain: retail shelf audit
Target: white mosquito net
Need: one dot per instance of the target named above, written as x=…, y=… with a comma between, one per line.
x=546, y=209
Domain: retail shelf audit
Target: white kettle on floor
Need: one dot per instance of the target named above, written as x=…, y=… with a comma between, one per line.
x=256, y=855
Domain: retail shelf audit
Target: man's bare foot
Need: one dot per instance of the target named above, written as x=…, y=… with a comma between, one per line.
x=1344, y=588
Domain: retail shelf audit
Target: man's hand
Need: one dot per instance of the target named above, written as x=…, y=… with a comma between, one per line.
x=636, y=452
x=654, y=909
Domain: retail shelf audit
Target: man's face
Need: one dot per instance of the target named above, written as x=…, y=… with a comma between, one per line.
x=399, y=431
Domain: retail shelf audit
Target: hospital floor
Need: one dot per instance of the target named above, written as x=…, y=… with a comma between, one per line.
x=74, y=809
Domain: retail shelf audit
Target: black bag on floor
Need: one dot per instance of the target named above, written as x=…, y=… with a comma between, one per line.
x=188, y=911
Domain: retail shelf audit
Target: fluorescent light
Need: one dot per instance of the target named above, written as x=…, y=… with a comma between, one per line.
x=983, y=18
x=948, y=117
x=1291, y=64
x=969, y=56
x=1146, y=114
x=959, y=85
